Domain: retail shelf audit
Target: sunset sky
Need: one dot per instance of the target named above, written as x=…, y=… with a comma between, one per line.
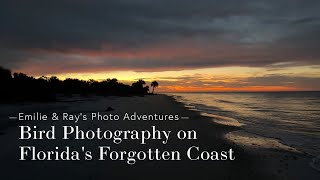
x=186, y=45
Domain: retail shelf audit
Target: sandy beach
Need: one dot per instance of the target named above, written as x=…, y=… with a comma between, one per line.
x=252, y=162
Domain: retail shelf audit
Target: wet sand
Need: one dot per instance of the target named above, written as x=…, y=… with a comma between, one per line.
x=250, y=163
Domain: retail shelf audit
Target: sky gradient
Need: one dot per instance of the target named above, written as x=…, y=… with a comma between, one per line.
x=203, y=45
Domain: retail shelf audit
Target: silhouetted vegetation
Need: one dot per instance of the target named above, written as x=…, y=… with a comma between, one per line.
x=20, y=87
x=154, y=84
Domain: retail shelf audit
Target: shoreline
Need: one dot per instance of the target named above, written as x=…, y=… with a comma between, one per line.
x=262, y=147
x=249, y=164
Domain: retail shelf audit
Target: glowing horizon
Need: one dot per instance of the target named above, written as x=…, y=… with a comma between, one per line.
x=206, y=46
x=223, y=79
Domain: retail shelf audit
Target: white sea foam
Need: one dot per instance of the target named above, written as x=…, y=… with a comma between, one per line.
x=223, y=120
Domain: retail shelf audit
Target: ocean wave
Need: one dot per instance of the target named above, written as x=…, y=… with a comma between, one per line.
x=223, y=120
x=224, y=101
x=249, y=140
x=292, y=119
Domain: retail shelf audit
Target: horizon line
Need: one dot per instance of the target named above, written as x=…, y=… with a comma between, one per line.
x=288, y=91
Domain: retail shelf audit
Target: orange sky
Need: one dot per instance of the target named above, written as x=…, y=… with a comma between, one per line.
x=204, y=46
x=184, y=66
x=224, y=79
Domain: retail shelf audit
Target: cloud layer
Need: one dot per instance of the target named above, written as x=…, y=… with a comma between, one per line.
x=41, y=36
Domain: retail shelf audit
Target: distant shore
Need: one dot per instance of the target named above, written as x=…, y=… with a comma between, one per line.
x=249, y=164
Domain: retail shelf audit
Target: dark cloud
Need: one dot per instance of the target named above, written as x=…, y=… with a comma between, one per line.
x=82, y=35
x=285, y=81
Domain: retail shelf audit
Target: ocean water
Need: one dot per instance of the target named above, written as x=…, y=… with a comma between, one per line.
x=292, y=118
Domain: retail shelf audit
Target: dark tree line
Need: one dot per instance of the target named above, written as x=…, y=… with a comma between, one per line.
x=20, y=87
